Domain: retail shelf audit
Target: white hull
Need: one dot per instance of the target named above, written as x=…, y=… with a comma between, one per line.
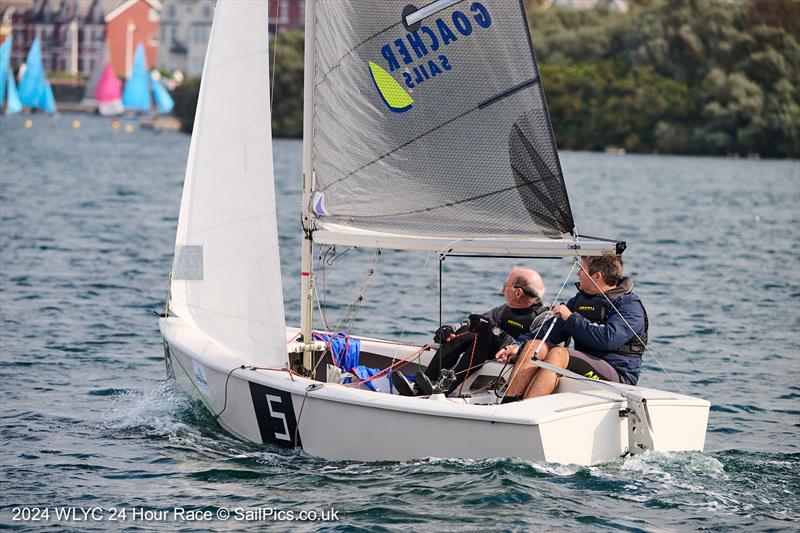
x=579, y=424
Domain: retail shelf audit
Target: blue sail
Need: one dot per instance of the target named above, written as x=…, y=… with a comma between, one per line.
x=47, y=102
x=164, y=102
x=13, y=105
x=32, y=83
x=5, y=55
x=136, y=93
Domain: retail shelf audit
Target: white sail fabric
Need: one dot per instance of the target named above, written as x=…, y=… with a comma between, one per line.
x=226, y=277
x=437, y=130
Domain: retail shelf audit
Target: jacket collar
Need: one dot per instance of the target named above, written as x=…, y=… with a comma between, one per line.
x=625, y=286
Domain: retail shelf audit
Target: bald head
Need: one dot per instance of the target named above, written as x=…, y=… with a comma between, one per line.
x=529, y=281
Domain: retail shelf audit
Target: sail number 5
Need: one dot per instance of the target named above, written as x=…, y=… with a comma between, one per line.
x=280, y=416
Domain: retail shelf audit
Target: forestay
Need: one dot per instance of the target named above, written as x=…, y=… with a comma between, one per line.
x=226, y=279
x=438, y=130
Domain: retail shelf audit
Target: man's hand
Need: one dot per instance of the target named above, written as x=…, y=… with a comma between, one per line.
x=563, y=311
x=506, y=352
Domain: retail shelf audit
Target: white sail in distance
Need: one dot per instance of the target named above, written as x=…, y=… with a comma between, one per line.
x=226, y=277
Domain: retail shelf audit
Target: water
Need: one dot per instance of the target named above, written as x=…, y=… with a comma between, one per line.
x=88, y=224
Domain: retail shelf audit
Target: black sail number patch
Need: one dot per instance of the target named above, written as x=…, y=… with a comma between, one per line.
x=275, y=416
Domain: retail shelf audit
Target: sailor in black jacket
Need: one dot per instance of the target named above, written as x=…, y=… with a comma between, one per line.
x=466, y=345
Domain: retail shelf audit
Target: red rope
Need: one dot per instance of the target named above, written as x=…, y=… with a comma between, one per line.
x=471, y=357
x=393, y=366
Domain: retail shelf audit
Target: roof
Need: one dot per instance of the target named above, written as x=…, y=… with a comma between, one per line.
x=121, y=8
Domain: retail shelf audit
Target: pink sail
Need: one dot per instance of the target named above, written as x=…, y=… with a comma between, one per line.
x=109, y=92
x=109, y=87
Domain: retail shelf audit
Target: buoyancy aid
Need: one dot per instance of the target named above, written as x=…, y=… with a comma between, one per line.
x=597, y=311
x=517, y=322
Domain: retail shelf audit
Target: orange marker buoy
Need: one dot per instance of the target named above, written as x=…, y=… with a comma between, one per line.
x=76, y=124
x=128, y=128
x=28, y=123
x=115, y=124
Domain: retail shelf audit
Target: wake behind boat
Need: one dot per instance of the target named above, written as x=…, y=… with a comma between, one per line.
x=423, y=130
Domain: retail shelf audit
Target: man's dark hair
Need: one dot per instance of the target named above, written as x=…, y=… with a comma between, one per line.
x=609, y=266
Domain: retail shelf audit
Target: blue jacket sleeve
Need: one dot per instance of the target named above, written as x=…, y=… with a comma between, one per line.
x=559, y=333
x=615, y=332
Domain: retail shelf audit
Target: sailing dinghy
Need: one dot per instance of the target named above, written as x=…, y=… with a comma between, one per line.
x=424, y=129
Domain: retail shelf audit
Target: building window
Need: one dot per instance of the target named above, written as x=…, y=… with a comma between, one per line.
x=171, y=12
x=206, y=11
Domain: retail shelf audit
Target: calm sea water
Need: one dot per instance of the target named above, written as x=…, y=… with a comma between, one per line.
x=88, y=419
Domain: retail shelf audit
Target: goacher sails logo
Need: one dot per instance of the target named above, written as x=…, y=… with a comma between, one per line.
x=421, y=57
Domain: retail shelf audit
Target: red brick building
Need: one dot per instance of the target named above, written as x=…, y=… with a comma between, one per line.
x=72, y=40
x=129, y=24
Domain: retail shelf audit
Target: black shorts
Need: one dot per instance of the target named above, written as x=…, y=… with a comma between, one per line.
x=592, y=367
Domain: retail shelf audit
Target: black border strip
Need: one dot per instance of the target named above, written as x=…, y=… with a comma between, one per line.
x=509, y=92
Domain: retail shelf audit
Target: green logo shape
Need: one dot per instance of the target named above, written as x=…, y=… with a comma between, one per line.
x=394, y=96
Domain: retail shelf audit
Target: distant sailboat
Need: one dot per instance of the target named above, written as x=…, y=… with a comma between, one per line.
x=47, y=101
x=30, y=86
x=8, y=87
x=13, y=105
x=163, y=100
x=109, y=93
x=5, y=54
x=34, y=89
x=136, y=93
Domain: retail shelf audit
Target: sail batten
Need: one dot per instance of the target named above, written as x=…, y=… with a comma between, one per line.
x=437, y=129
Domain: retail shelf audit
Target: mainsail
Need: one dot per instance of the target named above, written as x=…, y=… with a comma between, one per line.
x=435, y=130
x=226, y=278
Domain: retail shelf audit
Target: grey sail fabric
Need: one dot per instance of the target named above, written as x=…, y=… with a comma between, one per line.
x=437, y=129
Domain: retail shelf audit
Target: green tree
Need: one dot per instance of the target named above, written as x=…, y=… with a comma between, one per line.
x=287, y=88
x=185, y=96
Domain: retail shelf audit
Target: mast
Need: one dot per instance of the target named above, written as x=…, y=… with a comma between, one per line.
x=306, y=264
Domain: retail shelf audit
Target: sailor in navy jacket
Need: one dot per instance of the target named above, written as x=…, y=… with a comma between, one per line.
x=608, y=324
x=608, y=336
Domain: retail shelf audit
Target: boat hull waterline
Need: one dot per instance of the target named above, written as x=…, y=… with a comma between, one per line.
x=579, y=424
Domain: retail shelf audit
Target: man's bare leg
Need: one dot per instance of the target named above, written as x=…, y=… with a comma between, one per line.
x=524, y=371
x=545, y=381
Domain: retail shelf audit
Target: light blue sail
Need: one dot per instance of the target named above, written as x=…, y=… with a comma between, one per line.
x=32, y=83
x=47, y=102
x=164, y=102
x=13, y=105
x=136, y=93
x=5, y=56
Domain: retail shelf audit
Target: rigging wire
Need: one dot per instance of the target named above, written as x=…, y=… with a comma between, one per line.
x=351, y=313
